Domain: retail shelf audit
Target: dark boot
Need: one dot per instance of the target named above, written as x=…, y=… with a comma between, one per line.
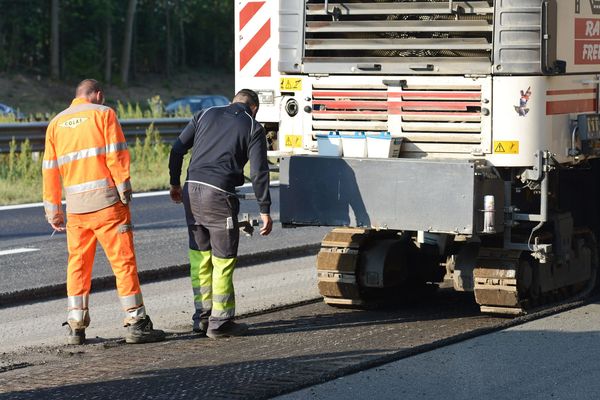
x=142, y=331
x=200, y=321
x=75, y=336
x=200, y=326
x=228, y=329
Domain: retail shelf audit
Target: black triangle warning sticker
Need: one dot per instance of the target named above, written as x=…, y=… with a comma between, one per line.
x=506, y=146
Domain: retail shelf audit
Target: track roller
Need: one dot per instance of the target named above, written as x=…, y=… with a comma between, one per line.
x=511, y=282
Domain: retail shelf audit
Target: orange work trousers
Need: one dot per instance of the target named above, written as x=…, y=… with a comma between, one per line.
x=112, y=227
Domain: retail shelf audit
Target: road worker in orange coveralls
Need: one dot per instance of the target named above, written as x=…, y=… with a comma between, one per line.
x=86, y=149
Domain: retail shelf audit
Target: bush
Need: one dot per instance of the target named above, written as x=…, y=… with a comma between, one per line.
x=23, y=166
x=155, y=109
x=20, y=174
x=130, y=111
x=150, y=162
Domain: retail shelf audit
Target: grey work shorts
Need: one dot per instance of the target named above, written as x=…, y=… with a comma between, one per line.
x=211, y=216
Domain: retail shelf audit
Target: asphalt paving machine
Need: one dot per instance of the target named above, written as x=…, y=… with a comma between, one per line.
x=496, y=185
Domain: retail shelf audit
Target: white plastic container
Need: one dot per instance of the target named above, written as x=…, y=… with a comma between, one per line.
x=354, y=145
x=383, y=145
x=329, y=144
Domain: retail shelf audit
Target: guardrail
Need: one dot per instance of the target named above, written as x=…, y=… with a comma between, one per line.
x=169, y=129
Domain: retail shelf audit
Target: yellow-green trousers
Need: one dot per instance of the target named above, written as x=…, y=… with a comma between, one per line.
x=212, y=283
x=213, y=230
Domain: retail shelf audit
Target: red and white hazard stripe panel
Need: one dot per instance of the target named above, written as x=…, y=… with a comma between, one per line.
x=255, y=37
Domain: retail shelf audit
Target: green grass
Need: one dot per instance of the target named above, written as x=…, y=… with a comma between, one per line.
x=273, y=175
x=150, y=162
x=20, y=193
x=20, y=174
x=154, y=109
x=7, y=119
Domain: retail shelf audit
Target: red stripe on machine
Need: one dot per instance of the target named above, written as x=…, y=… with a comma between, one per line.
x=397, y=95
x=360, y=95
x=255, y=44
x=430, y=106
x=403, y=105
x=437, y=95
x=438, y=113
x=570, y=106
x=395, y=111
x=430, y=113
x=341, y=105
x=265, y=71
x=356, y=112
x=569, y=91
x=249, y=11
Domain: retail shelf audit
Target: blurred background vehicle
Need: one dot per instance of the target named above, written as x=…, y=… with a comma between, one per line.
x=7, y=111
x=194, y=104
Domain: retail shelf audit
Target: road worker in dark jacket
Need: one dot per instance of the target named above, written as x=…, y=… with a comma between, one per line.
x=223, y=139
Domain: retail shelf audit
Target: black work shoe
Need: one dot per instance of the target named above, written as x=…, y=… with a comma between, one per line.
x=142, y=331
x=228, y=329
x=75, y=336
x=200, y=326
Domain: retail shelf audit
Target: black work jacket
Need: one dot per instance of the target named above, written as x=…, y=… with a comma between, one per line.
x=222, y=140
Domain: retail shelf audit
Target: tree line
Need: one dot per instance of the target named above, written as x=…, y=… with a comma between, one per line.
x=114, y=39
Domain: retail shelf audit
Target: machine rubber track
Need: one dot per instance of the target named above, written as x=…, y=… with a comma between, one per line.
x=344, y=275
x=505, y=281
x=337, y=265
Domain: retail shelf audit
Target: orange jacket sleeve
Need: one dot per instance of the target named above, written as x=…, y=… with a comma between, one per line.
x=117, y=154
x=52, y=190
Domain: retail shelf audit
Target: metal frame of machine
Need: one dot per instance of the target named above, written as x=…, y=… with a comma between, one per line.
x=497, y=103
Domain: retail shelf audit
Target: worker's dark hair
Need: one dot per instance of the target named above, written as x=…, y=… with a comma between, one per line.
x=247, y=96
x=86, y=87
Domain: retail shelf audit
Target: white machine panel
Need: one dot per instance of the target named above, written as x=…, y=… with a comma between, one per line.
x=534, y=113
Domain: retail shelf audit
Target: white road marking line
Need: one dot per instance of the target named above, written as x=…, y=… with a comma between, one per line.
x=17, y=251
x=150, y=194
x=135, y=195
x=20, y=206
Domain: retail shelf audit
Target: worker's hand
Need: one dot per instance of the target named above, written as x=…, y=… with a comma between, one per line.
x=58, y=223
x=176, y=194
x=126, y=197
x=58, y=228
x=267, y=224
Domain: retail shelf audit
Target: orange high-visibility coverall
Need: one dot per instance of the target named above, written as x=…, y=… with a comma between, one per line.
x=86, y=148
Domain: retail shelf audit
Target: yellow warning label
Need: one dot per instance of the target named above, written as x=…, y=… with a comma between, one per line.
x=506, y=147
x=293, y=141
x=290, y=84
